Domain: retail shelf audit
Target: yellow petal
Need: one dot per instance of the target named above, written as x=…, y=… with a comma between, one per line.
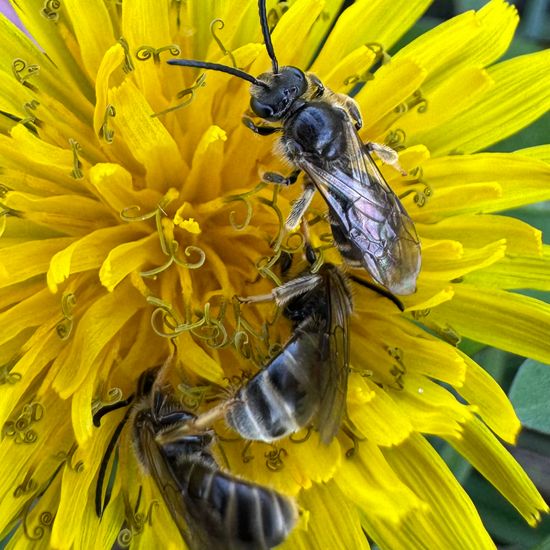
x=401, y=342
x=486, y=182
x=448, y=260
x=44, y=422
x=204, y=181
x=199, y=362
x=477, y=230
x=316, y=35
x=13, y=99
x=428, y=295
x=115, y=187
x=430, y=408
x=82, y=419
x=455, y=95
x=368, y=22
x=498, y=318
x=150, y=142
x=53, y=36
x=541, y=152
x=333, y=522
x=92, y=335
x=16, y=180
x=41, y=349
x=111, y=64
x=147, y=24
x=471, y=38
x=19, y=268
x=128, y=257
x=303, y=462
x=516, y=271
x=141, y=347
x=39, y=158
x=371, y=410
x=370, y=482
x=296, y=22
x=36, y=518
x=102, y=532
x=491, y=403
x=481, y=448
x=353, y=63
x=313, y=462
x=31, y=312
x=70, y=213
x=450, y=509
x=455, y=200
x=93, y=29
x=86, y=253
x=17, y=293
x=78, y=485
x=518, y=98
x=393, y=83
x=200, y=115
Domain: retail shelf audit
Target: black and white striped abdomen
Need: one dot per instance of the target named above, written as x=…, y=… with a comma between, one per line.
x=238, y=514
x=284, y=396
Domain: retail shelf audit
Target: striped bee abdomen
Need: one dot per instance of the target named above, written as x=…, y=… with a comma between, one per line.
x=211, y=509
x=283, y=397
x=238, y=514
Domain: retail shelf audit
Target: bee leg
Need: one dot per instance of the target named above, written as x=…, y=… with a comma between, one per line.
x=279, y=179
x=300, y=206
x=318, y=84
x=260, y=130
x=255, y=299
x=353, y=109
x=386, y=154
x=284, y=293
x=197, y=426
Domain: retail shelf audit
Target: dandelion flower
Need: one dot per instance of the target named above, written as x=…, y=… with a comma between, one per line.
x=132, y=212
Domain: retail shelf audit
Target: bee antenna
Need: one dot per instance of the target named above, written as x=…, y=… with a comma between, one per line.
x=100, y=503
x=109, y=408
x=267, y=36
x=217, y=67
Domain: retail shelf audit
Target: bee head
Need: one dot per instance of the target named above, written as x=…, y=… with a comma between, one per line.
x=273, y=98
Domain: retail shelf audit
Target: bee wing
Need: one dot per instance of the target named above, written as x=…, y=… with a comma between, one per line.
x=158, y=466
x=335, y=372
x=370, y=216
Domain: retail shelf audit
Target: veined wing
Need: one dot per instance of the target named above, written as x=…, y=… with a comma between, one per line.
x=336, y=370
x=169, y=487
x=371, y=219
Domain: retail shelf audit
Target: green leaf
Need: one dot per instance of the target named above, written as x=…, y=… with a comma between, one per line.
x=544, y=545
x=501, y=365
x=470, y=347
x=530, y=393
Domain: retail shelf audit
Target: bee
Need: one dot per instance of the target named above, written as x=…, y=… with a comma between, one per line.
x=306, y=383
x=319, y=137
x=211, y=508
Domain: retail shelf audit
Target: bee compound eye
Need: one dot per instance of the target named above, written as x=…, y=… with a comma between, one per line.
x=261, y=109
